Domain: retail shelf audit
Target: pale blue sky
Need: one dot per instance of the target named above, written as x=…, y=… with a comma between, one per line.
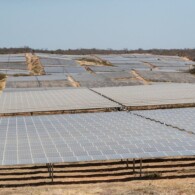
x=115, y=24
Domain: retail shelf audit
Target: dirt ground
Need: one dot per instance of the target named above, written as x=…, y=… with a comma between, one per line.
x=93, y=61
x=2, y=84
x=159, y=176
x=173, y=187
x=34, y=64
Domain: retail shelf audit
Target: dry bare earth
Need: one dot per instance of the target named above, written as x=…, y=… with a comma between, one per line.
x=160, y=176
x=93, y=61
x=34, y=64
x=2, y=81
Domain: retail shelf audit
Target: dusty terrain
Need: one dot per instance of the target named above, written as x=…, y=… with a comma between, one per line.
x=173, y=187
x=160, y=176
x=34, y=64
x=93, y=61
x=2, y=81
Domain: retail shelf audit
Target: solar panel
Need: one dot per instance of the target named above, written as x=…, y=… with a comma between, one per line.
x=52, y=100
x=180, y=118
x=13, y=71
x=53, y=69
x=21, y=78
x=88, y=137
x=74, y=69
x=105, y=68
x=132, y=66
x=169, y=76
x=58, y=61
x=53, y=77
x=151, y=94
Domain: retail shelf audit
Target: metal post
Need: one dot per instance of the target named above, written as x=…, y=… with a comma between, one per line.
x=49, y=170
x=140, y=167
x=52, y=175
x=134, y=166
x=127, y=163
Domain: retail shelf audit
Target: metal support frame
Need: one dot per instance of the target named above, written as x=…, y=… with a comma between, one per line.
x=127, y=163
x=50, y=168
x=140, y=167
x=134, y=166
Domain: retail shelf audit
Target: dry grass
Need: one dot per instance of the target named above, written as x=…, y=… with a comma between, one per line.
x=138, y=77
x=73, y=82
x=34, y=64
x=93, y=62
x=2, y=81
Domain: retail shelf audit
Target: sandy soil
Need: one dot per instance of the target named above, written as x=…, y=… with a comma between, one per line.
x=165, y=187
x=34, y=64
x=186, y=58
x=2, y=84
x=160, y=176
x=73, y=82
x=93, y=61
x=138, y=77
x=86, y=63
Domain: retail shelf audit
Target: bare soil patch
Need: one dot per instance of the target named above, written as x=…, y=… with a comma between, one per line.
x=73, y=82
x=140, y=78
x=160, y=176
x=93, y=61
x=2, y=81
x=34, y=64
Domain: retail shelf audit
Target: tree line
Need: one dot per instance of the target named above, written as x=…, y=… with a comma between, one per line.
x=189, y=53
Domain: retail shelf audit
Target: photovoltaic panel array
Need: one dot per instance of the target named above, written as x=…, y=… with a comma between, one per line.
x=88, y=137
x=179, y=118
x=52, y=100
x=13, y=71
x=38, y=78
x=151, y=94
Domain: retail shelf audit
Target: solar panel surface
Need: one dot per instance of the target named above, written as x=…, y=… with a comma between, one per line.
x=150, y=94
x=180, y=118
x=52, y=100
x=87, y=137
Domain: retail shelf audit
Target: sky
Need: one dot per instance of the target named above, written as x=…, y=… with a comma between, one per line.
x=101, y=24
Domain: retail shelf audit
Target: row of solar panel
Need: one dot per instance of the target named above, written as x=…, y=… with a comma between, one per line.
x=52, y=100
x=73, y=99
x=87, y=137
